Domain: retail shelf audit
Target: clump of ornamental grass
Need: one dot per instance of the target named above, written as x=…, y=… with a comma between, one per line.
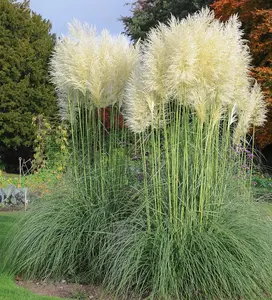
x=63, y=236
x=181, y=222
x=189, y=107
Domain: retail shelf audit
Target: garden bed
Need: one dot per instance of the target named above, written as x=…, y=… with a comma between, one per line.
x=10, y=208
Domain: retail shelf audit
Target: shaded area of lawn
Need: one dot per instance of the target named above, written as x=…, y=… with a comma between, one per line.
x=8, y=289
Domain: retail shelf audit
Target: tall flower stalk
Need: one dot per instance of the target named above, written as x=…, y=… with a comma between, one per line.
x=90, y=73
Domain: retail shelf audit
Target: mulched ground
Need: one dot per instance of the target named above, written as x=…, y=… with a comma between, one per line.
x=64, y=290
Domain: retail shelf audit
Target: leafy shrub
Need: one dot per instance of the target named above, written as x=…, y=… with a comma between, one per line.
x=51, y=144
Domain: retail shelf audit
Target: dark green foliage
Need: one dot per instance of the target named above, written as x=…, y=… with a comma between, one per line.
x=262, y=184
x=25, y=48
x=148, y=13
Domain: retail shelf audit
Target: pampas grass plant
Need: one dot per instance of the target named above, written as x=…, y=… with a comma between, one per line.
x=180, y=223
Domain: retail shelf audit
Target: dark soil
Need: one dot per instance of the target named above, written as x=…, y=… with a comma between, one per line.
x=10, y=208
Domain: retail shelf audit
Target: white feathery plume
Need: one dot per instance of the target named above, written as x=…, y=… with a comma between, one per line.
x=72, y=57
x=70, y=63
x=238, y=71
x=196, y=55
x=200, y=62
x=251, y=111
x=198, y=99
x=244, y=117
x=232, y=118
x=139, y=107
x=197, y=61
x=207, y=88
x=156, y=63
x=109, y=73
x=98, y=66
x=260, y=107
x=183, y=59
x=117, y=60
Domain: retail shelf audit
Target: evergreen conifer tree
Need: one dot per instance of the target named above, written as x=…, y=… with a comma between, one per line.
x=25, y=91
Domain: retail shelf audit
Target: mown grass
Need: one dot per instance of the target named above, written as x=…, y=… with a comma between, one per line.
x=8, y=289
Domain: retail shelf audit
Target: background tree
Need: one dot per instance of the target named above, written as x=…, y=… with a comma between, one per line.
x=256, y=17
x=25, y=47
x=148, y=13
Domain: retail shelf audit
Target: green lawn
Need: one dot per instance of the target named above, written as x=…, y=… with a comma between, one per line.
x=8, y=289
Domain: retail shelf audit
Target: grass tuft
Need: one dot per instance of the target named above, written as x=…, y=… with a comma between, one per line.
x=61, y=237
